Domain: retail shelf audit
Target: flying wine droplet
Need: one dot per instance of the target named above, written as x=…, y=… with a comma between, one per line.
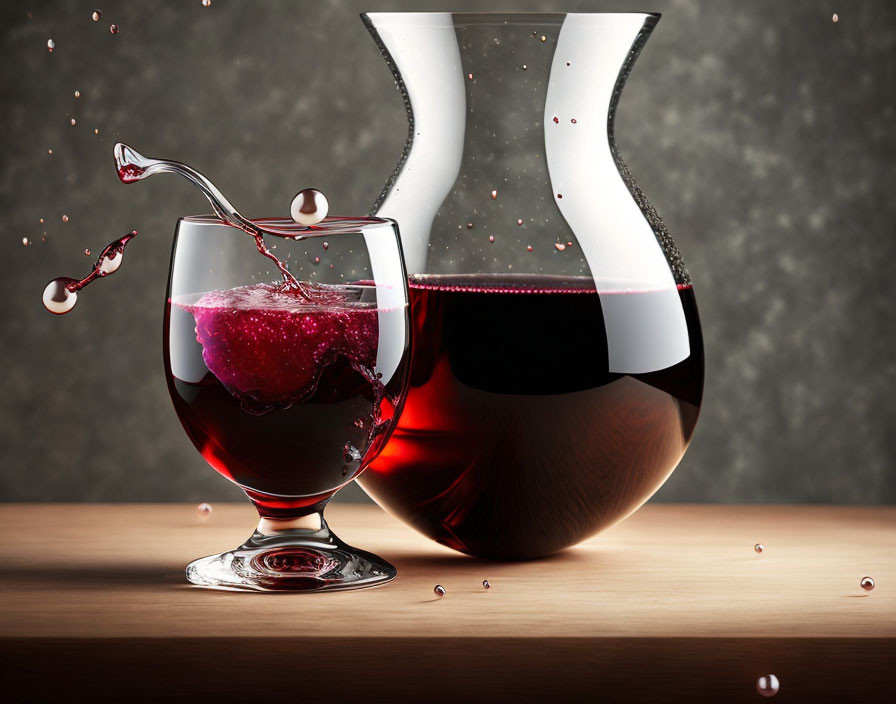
x=543, y=38
x=74, y=122
x=494, y=195
x=491, y=238
x=485, y=584
x=529, y=248
x=758, y=547
x=326, y=245
x=65, y=218
x=469, y=226
x=133, y=166
x=836, y=17
x=309, y=207
x=86, y=252
x=556, y=120
x=206, y=3
x=50, y=45
x=519, y=221
x=767, y=685
x=559, y=246
x=97, y=15
x=439, y=590
x=113, y=28
x=61, y=294
x=25, y=242
x=867, y=583
x=204, y=511
x=77, y=94
x=470, y=76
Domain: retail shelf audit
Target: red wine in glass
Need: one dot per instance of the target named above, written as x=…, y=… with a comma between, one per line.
x=287, y=403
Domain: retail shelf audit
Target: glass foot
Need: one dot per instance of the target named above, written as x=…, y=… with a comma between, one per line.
x=288, y=559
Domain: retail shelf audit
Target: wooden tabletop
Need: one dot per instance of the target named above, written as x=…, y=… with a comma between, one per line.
x=671, y=603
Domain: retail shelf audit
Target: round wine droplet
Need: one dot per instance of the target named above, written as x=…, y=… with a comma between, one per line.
x=86, y=252
x=836, y=17
x=25, y=241
x=469, y=226
x=113, y=28
x=204, y=511
x=206, y=3
x=485, y=584
x=556, y=120
x=491, y=238
x=439, y=590
x=309, y=207
x=74, y=122
x=559, y=246
x=97, y=15
x=58, y=298
x=529, y=248
x=767, y=685
x=758, y=547
x=867, y=583
x=77, y=94
x=494, y=195
x=326, y=245
x=519, y=221
x=50, y=45
x=65, y=218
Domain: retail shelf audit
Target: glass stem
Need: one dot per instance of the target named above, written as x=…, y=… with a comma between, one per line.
x=311, y=522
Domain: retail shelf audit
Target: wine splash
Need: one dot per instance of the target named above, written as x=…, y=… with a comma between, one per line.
x=61, y=294
x=133, y=166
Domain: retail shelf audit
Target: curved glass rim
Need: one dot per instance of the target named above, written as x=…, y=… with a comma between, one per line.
x=331, y=226
x=499, y=17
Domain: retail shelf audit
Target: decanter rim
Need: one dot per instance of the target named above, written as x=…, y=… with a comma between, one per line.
x=502, y=17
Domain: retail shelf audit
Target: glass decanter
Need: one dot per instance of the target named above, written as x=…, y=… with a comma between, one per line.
x=557, y=368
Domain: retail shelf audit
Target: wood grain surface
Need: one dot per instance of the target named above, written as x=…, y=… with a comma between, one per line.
x=672, y=604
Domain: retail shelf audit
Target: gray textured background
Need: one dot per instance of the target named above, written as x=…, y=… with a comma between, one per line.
x=762, y=131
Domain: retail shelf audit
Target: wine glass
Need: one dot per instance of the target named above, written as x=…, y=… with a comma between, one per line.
x=288, y=385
